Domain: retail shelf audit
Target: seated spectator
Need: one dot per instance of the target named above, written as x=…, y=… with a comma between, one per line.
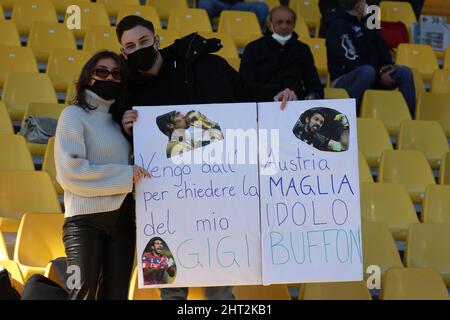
x=359, y=59
x=279, y=59
x=215, y=7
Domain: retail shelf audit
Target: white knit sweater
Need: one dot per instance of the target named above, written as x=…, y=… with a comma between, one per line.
x=92, y=159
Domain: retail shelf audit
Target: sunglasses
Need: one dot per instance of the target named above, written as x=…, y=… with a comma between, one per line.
x=104, y=73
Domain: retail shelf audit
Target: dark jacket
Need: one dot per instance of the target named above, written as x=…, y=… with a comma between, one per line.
x=350, y=44
x=266, y=62
x=191, y=74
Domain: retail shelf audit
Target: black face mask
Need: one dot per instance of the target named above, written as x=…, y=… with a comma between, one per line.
x=106, y=89
x=143, y=59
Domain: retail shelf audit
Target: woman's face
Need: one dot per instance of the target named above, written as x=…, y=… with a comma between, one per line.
x=106, y=69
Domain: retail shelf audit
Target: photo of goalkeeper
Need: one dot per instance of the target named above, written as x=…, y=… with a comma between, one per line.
x=187, y=132
x=158, y=265
x=323, y=128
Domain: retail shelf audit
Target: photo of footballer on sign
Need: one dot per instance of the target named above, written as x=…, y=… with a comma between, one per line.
x=158, y=265
x=323, y=128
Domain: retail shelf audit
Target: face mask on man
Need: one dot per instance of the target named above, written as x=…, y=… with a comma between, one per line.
x=106, y=89
x=143, y=59
x=281, y=39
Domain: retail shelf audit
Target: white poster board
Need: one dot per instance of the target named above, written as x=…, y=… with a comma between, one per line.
x=197, y=221
x=310, y=207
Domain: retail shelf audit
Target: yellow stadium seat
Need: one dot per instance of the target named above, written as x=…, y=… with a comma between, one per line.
x=387, y=106
x=228, y=50
x=2, y=13
x=373, y=138
x=48, y=164
x=444, y=173
x=388, y=203
x=47, y=110
x=166, y=37
x=379, y=247
x=418, y=83
x=364, y=170
x=15, y=153
x=70, y=93
x=309, y=9
x=354, y=290
x=319, y=51
x=62, y=5
x=16, y=59
x=5, y=121
x=394, y=11
x=413, y=284
x=441, y=81
x=243, y=26
x=101, y=38
x=409, y=168
x=64, y=65
x=428, y=246
x=7, y=4
x=165, y=7
x=425, y=136
x=9, y=36
x=301, y=28
x=26, y=12
x=51, y=273
x=113, y=6
x=3, y=249
x=46, y=36
x=38, y=89
x=436, y=107
x=272, y=292
x=187, y=21
x=17, y=280
x=436, y=204
x=447, y=59
x=146, y=12
x=25, y=191
x=418, y=56
x=336, y=93
x=39, y=240
x=92, y=14
x=270, y=3
x=234, y=62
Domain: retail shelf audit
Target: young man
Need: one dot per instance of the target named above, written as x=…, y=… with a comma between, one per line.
x=281, y=60
x=183, y=73
x=358, y=57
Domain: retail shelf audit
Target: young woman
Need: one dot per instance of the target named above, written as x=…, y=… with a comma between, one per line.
x=93, y=167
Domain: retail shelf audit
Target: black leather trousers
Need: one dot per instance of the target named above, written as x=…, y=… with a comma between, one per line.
x=101, y=246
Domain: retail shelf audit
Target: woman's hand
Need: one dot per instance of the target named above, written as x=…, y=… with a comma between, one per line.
x=139, y=173
x=128, y=120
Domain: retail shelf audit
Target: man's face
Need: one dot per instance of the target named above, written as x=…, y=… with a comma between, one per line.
x=315, y=123
x=283, y=22
x=180, y=121
x=137, y=38
x=158, y=246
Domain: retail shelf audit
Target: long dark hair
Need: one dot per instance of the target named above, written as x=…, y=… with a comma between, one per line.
x=86, y=75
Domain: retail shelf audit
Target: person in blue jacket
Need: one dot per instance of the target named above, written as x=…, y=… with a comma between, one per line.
x=358, y=57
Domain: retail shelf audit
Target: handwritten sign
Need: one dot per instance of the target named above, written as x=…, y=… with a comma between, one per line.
x=310, y=209
x=198, y=217
x=236, y=201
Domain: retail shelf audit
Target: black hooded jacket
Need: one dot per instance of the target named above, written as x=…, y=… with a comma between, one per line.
x=267, y=62
x=191, y=74
x=351, y=44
